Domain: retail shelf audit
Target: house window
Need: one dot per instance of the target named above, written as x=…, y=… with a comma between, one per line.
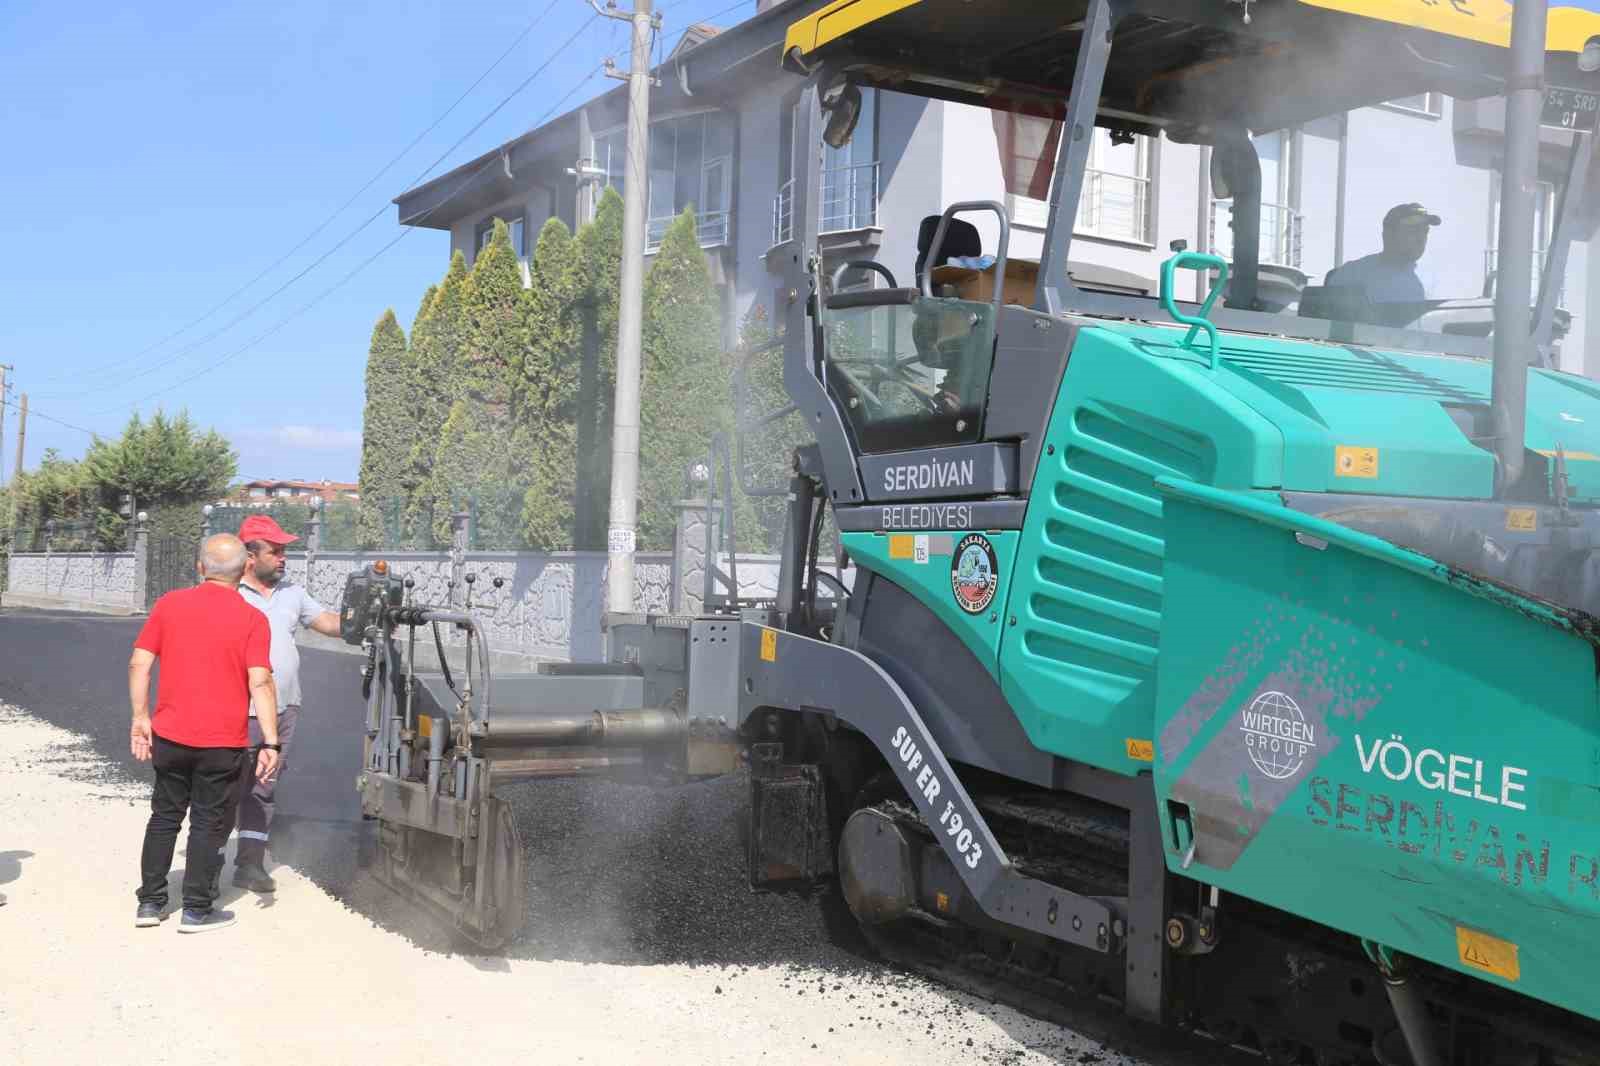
x=690, y=165
x=1116, y=199
x=515, y=224
x=1428, y=104
x=258, y=491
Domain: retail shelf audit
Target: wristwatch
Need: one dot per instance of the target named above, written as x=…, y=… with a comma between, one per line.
x=273, y=747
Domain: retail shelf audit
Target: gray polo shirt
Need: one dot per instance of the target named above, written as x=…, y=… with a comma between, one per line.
x=287, y=608
x=1385, y=281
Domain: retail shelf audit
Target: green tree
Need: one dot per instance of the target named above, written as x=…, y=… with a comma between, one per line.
x=387, y=428
x=475, y=457
x=169, y=466
x=600, y=264
x=436, y=372
x=685, y=394
x=554, y=320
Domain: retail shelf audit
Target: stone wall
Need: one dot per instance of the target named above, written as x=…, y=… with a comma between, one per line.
x=101, y=579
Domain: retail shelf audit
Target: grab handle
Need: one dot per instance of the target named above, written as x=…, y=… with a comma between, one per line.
x=1196, y=323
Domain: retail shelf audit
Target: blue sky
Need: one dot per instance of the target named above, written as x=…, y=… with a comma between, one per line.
x=160, y=157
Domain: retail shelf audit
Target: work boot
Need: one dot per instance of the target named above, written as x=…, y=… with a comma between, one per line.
x=204, y=921
x=253, y=876
x=148, y=914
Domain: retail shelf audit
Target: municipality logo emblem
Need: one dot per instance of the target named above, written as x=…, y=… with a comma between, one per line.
x=1277, y=735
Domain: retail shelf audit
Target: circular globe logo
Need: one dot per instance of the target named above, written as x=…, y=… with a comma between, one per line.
x=1277, y=735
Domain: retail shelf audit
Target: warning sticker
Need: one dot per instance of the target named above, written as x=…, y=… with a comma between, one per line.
x=1522, y=520
x=1352, y=461
x=769, y=645
x=902, y=546
x=1141, y=750
x=919, y=551
x=1488, y=953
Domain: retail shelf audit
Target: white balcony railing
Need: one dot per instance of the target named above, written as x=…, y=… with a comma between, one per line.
x=849, y=201
x=1491, y=259
x=849, y=198
x=1281, y=236
x=783, y=214
x=712, y=229
x=1114, y=206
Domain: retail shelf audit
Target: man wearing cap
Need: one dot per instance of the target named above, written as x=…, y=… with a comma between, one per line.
x=1390, y=276
x=287, y=606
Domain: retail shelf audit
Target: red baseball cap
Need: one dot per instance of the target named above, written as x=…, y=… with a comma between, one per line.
x=260, y=527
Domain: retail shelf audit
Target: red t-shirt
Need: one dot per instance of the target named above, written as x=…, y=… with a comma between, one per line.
x=207, y=638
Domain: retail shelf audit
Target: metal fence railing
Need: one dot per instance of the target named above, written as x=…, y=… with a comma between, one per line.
x=712, y=230
x=1281, y=236
x=1115, y=206
x=849, y=198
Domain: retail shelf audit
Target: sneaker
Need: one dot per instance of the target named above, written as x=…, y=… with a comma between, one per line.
x=204, y=921
x=149, y=914
x=253, y=877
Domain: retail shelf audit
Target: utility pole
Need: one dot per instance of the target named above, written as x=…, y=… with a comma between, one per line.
x=620, y=536
x=5, y=368
x=22, y=438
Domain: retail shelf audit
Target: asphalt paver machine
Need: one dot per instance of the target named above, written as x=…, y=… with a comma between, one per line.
x=1231, y=659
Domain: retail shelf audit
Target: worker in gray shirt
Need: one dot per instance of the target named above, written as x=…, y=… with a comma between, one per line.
x=287, y=607
x=1390, y=276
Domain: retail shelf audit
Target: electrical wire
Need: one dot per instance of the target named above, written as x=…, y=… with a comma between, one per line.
x=337, y=212
x=168, y=361
x=483, y=168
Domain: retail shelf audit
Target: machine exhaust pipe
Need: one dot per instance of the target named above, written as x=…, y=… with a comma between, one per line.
x=1513, y=320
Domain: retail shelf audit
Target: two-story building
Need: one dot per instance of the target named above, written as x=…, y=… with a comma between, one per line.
x=721, y=140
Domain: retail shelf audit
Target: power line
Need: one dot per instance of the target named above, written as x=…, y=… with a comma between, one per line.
x=482, y=169
x=253, y=308
x=339, y=211
x=34, y=412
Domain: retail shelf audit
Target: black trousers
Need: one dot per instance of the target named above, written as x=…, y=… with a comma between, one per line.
x=204, y=782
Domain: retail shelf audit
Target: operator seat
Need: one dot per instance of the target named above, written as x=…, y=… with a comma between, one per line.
x=960, y=239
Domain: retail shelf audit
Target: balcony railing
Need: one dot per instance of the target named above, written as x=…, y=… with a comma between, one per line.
x=1491, y=258
x=783, y=213
x=1114, y=206
x=1281, y=237
x=849, y=201
x=712, y=229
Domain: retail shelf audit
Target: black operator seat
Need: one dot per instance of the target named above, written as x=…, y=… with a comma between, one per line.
x=960, y=239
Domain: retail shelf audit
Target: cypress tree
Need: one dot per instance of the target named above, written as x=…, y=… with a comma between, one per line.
x=686, y=393
x=387, y=430
x=600, y=265
x=554, y=316
x=474, y=456
x=437, y=344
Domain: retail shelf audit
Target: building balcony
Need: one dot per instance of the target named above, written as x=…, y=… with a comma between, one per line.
x=714, y=228
x=1281, y=237
x=849, y=202
x=1114, y=207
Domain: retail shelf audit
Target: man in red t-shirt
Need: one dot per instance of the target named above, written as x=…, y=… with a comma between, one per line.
x=215, y=653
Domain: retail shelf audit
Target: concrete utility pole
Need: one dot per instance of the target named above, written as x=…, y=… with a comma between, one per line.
x=620, y=537
x=22, y=435
x=4, y=369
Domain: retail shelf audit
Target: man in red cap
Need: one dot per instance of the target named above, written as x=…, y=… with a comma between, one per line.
x=288, y=607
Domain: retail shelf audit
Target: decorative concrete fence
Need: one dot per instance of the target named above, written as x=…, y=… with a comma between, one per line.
x=75, y=580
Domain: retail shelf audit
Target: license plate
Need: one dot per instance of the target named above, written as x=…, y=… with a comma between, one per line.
x=1570, y=109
